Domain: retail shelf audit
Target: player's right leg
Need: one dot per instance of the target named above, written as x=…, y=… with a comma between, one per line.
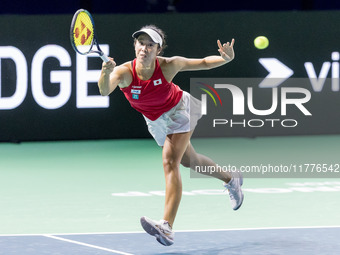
x=173, y=149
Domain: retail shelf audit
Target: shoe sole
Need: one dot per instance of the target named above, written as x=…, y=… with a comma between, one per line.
x=151, y=230
x=241, y=183
x=239, y=204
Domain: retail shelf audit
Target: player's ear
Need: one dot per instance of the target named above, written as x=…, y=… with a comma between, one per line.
x=159, y=50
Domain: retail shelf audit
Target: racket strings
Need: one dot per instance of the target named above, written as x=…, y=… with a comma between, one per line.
x=83, y=33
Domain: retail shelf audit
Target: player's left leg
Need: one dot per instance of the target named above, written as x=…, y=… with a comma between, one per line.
x=191, y=159
x=232, y=180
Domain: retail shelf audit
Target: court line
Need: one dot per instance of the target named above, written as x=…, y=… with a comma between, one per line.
x=86, y=244
x=264, y=228
x=143, y=232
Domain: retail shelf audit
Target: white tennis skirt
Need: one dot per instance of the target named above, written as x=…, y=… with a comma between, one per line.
x=181, y=118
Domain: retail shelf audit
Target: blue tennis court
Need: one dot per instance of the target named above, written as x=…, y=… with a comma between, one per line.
x=299, y=241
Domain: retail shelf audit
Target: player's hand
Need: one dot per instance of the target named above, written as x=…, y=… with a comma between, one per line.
x=226, y=50
x=108, y=67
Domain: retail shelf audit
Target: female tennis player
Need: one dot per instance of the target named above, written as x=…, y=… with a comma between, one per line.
x=147, y=84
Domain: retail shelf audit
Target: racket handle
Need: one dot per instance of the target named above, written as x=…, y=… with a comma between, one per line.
x=104, y=58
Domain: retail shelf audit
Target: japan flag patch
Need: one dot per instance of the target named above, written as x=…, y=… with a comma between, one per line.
x=157, y=82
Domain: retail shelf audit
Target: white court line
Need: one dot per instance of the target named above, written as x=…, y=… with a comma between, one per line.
x=87, y=245
x=264, y=228
x=143, y=232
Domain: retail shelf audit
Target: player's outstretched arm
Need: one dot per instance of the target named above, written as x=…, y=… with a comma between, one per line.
x=191, y=64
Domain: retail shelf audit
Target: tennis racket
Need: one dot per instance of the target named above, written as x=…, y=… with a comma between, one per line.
x=83, y=36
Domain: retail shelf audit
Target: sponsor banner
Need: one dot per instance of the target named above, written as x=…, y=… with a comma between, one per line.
x=48, y=92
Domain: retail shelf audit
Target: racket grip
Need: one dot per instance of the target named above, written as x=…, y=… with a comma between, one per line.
x=104, y=58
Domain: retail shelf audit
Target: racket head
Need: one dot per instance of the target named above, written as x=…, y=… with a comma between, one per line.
x=82, y=32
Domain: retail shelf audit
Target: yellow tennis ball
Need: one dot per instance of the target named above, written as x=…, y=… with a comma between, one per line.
x=261, y=42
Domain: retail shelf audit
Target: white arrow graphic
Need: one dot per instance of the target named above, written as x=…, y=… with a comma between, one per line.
x=278, y=72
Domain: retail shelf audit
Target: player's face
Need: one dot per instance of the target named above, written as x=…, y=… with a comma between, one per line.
x=145, y=48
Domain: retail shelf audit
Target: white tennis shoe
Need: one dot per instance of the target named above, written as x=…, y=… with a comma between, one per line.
x=235, y=191
x=159, y=229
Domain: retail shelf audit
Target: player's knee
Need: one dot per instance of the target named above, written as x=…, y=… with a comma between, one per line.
x=170, y=164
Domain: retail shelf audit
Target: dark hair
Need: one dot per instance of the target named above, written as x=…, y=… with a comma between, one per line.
x=161, y=33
